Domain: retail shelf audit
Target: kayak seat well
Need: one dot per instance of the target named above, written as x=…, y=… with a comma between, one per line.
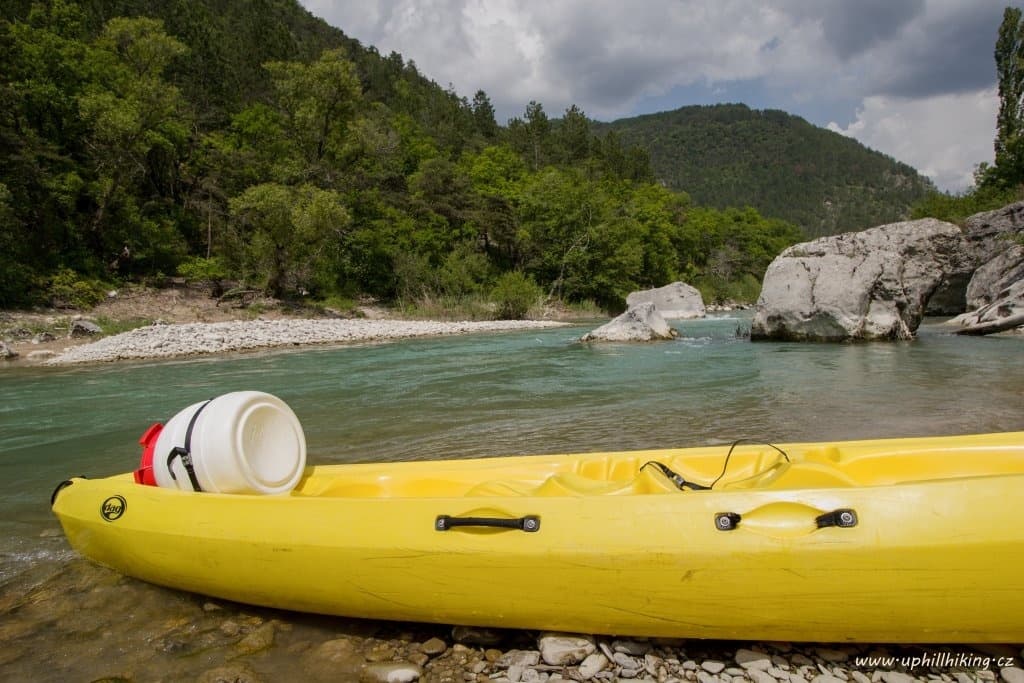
x=799, y=475
x=572, y=484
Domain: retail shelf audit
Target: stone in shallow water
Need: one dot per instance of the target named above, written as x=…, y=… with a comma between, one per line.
x=258, y=640
x=233, y=673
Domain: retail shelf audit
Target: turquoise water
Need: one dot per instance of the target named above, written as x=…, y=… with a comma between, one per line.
x=485, y=395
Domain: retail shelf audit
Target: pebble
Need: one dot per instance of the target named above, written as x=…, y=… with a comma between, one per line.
x=631, y=647
x=593, y=664
x=712, y=666
x=759, y=676
x=391, y=673
x=751, y=659
x=1012, y=674
x=521, y=658
x=834, y=656
x=235, y=673
x=562, y=649
x=258, y=640
x=896, y=677
x=434, y=646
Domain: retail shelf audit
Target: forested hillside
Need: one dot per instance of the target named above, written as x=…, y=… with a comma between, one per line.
x=730, y=155
x=250, y=142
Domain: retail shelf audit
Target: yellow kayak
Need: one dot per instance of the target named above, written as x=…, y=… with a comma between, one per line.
x=898, y=540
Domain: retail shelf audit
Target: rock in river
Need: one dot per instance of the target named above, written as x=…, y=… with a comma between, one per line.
x=677, y=301
x=639, y=323
x=865, y=285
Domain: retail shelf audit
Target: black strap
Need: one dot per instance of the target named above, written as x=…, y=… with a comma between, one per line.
x=675, y=477
x=185, y=453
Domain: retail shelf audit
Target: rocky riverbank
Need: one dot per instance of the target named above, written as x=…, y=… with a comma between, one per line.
x=84, y=622
x=184, y=322
x=190, y=339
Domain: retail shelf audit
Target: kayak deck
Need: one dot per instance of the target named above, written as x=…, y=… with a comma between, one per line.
x=743, y=467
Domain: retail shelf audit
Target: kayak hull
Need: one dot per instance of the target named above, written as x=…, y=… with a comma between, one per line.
x=933, y=553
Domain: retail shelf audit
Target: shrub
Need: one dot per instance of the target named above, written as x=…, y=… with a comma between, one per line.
x=68, y=290
x=514, y=294
x=199, y=269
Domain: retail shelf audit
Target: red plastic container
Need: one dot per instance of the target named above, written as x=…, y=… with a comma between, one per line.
x=145, y=475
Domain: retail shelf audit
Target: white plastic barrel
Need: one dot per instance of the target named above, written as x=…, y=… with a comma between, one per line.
x=242, y=442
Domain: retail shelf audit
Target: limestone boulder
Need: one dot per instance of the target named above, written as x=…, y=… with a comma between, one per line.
x=676, y=301
x=642, y=322
x=995, y=243
x=869, y=285
x=1005, y=313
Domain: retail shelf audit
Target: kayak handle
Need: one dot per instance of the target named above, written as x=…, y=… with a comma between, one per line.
x=785, y=519
x=529, y=523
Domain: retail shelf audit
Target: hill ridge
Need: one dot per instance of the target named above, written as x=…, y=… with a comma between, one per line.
x=729, y=155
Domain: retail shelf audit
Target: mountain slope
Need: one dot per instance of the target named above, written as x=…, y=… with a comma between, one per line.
x=730, y=155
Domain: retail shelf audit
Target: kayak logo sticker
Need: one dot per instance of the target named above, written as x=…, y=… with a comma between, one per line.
x=113, y=508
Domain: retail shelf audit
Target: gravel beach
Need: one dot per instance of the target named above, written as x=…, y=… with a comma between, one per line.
x=191, y=339
x=86, y=623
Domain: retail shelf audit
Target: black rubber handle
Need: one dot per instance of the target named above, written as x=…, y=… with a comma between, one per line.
x=529, y=523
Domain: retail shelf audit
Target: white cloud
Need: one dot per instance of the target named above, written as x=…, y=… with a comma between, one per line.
x=942, y=136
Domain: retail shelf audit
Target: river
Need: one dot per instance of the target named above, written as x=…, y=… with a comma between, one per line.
x=495, y=394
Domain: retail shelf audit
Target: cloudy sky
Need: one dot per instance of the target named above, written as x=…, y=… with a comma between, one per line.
x=914, y=79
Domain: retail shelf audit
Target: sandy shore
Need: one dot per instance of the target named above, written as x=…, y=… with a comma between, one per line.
x=191, y=339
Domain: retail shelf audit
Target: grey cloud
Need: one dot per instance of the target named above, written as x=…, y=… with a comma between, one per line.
x=851, y=28
x=952, y=55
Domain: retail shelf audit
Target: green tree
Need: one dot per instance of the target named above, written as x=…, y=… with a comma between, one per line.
x=538, y=130
x=1009, y=144
x=288, y=238
x=317, y=100
x=574, y=136
x=137, y=128
x=483, y=116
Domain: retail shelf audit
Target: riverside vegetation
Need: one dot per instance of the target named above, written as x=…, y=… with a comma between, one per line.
x=251, y=143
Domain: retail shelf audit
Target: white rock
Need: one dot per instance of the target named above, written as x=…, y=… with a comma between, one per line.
x=1012, y=674
x=896, y=677
x=522, y=658
x=631, y=647
x=562, y=650
x=759, y=676
x=865, y=285
x=391, y=673
x=751, y=659
x=639, y=323
x=593, y=664
x=676, y=301
x=712, y=666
